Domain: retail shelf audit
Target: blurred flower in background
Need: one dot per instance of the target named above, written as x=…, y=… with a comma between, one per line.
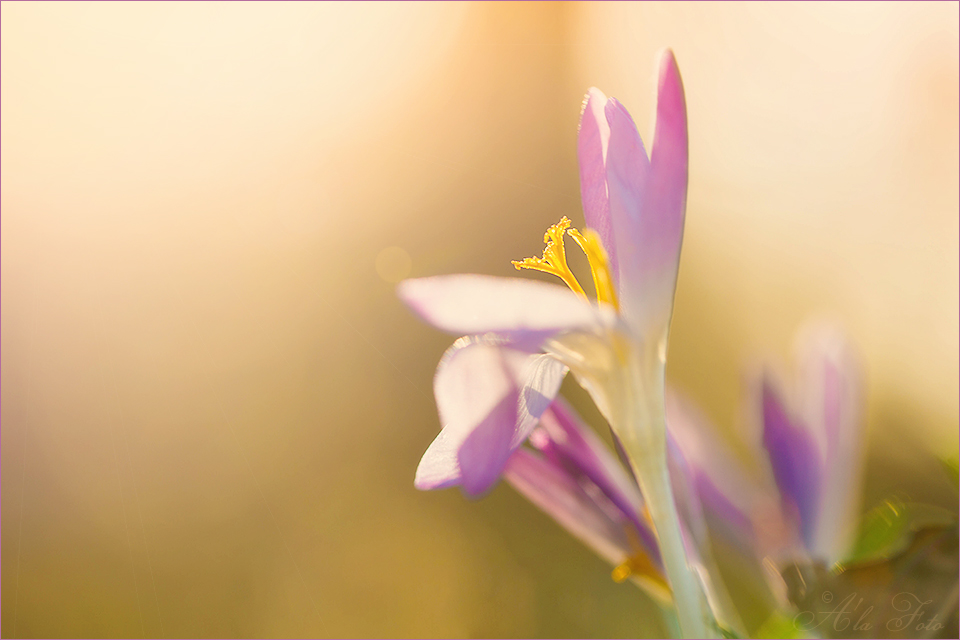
x=213, y=401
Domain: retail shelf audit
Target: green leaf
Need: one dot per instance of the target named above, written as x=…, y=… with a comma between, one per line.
x=911, y=594
x=780, y=625
x=887, y=529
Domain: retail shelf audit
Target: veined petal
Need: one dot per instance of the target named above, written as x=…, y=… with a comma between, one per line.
x=592, y=141
x=795, y=461
x=667, y=194
x=556, y=492
x=577, y=448
x=551, y=487
x=831, y=405
x=520, y=310
x=489, y=397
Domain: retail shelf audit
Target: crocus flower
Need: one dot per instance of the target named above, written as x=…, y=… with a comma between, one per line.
x=524, y=335
x=804, y=503
x=814, y=440
x=493, y=387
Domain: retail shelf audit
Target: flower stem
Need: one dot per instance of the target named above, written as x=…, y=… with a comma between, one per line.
x=644, y=440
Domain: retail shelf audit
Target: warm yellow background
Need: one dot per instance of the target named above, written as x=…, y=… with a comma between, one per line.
x=213, y=404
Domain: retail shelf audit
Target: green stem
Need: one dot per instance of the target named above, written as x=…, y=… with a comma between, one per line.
x=670, y=620
x=643, y=435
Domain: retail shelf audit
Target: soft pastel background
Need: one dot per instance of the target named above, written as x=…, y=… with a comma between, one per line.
x=213, y=404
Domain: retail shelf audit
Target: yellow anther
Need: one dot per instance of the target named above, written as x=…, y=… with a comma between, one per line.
x=639, y=563
x=554, y=261
x=599, y=264
x=621, y=572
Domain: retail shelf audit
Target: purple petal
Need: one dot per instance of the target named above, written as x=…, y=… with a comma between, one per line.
x=795, y=462
x=592, y=142
x=696, y=539
x=558, y=494
x=831, y=404
x=725, y=492
x=637, y=203
x=577, y=448
x=688, y=502
x=518, y=309
x=628, y=173
x=489, y=397
x=648, y=200
x=667, y=195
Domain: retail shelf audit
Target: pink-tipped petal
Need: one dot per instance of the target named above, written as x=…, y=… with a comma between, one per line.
x=592, y=141
x=669, y=155
x=637, y=203
x=514, y=308
x=665, y=196
x=668, y=166
x=489, y=398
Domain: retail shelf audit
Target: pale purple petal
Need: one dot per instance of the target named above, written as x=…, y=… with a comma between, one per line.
x=724, y=490
x=578, y=449
x=696, y=539
x=515, y=308
x=558, y=494
x=795, y=462
x=592, y=141
x=628, y=173
x=831, y=403
x=648, y=200
x=666, y=198
x=685, y=497
x=489, y=397
x=636, y=203
x=470, y=383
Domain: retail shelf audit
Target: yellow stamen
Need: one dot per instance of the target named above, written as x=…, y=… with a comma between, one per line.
x=599, y=264
x=554, y=261
x=638, y=564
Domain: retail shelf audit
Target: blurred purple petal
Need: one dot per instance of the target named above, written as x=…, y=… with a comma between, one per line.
x=795, y=462
x=726, y=493
x=685, y=497
x=489, y=397
x=831, y=403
